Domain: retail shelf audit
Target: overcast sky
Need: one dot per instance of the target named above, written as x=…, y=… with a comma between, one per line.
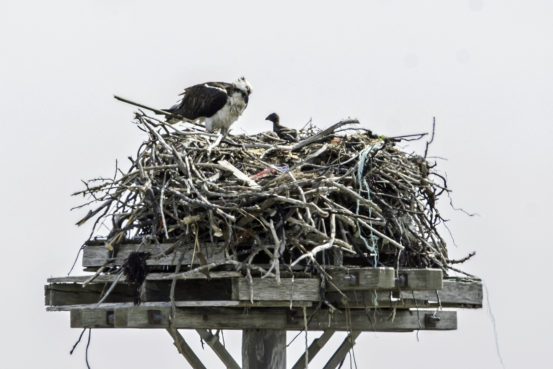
x=483, y=68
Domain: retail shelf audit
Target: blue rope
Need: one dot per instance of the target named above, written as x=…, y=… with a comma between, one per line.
x=362, y=184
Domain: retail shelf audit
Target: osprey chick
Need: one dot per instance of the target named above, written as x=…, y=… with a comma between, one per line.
x=218, y=104
x=283, y=132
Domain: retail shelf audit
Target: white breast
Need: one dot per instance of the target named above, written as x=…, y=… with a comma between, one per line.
x=224, y=118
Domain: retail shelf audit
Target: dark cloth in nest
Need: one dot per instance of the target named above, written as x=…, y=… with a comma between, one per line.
x=135, y=271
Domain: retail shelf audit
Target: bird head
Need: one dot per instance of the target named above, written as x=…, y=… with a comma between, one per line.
x=243, y=85
x=273, y=117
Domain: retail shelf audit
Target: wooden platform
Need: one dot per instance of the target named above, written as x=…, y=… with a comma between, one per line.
x=352, y=299
x=370, y=299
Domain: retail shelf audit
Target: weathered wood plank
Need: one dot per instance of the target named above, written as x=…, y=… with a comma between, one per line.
x=463, y=293
x=295, y=291
x=300, y=289
x=263, y=348
x=314, y=348
x=235, y=304
x=362, y=278
x=107, y=278
x=456, y=292
x=420, y=279
x=74, y=294
x=97, y=255
x=271, y=318
x=158, y=291
x=92, y=319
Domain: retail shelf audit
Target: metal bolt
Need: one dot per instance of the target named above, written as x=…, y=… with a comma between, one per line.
x=350, y=277
x=431, y=320
x=155, y=317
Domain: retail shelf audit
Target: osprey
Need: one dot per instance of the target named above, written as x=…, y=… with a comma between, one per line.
x=217, y=104
x=285, y=133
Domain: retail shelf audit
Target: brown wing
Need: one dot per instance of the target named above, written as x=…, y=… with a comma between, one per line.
x=202, y=100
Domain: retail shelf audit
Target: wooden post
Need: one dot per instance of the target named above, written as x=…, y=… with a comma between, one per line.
x=263, y=348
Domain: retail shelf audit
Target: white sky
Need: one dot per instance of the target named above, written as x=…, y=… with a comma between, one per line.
x=483, y=68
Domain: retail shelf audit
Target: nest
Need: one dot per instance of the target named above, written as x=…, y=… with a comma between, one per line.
x=336, y=197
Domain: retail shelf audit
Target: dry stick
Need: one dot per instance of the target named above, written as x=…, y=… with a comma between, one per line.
x=276, y=250
x=162, y=212
x=323, y=133
x=202, y=204
x=214, y=144
x=157, y=111
x=311, y=254
x=302, y=194
x=355, y=195
x=431, y=138
x=302, y=204
x=322, y=270
x=337, y=241
x=113, y=284
x=158, y=136
x=237, y=173
x=382, y=235
x=98, y=272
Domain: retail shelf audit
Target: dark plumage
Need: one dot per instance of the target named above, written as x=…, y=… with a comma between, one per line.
x=283, y=132
x=218, y=104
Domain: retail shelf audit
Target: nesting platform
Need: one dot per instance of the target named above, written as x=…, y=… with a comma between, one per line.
x=366, y=298
x=213, y=296
x=335, y=232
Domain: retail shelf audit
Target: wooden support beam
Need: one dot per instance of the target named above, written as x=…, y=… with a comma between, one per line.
x=455, y=292
x=342, y=351
x=74, y=294
x=108, y=278
x=266, y=318
x=314, y=349
x=156, y=305
x=218, y=348
x=69, y=293
x=263, y=348
x=298, y=289
x=185, y=350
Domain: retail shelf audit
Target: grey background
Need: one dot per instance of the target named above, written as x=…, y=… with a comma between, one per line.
x=483, y=68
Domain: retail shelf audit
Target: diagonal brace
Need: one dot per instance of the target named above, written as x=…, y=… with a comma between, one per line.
x=314, y=348
x=218, y=348
x=185, y=350
x=342, y=351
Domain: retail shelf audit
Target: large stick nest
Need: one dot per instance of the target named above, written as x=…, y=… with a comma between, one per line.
x=332, y=198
